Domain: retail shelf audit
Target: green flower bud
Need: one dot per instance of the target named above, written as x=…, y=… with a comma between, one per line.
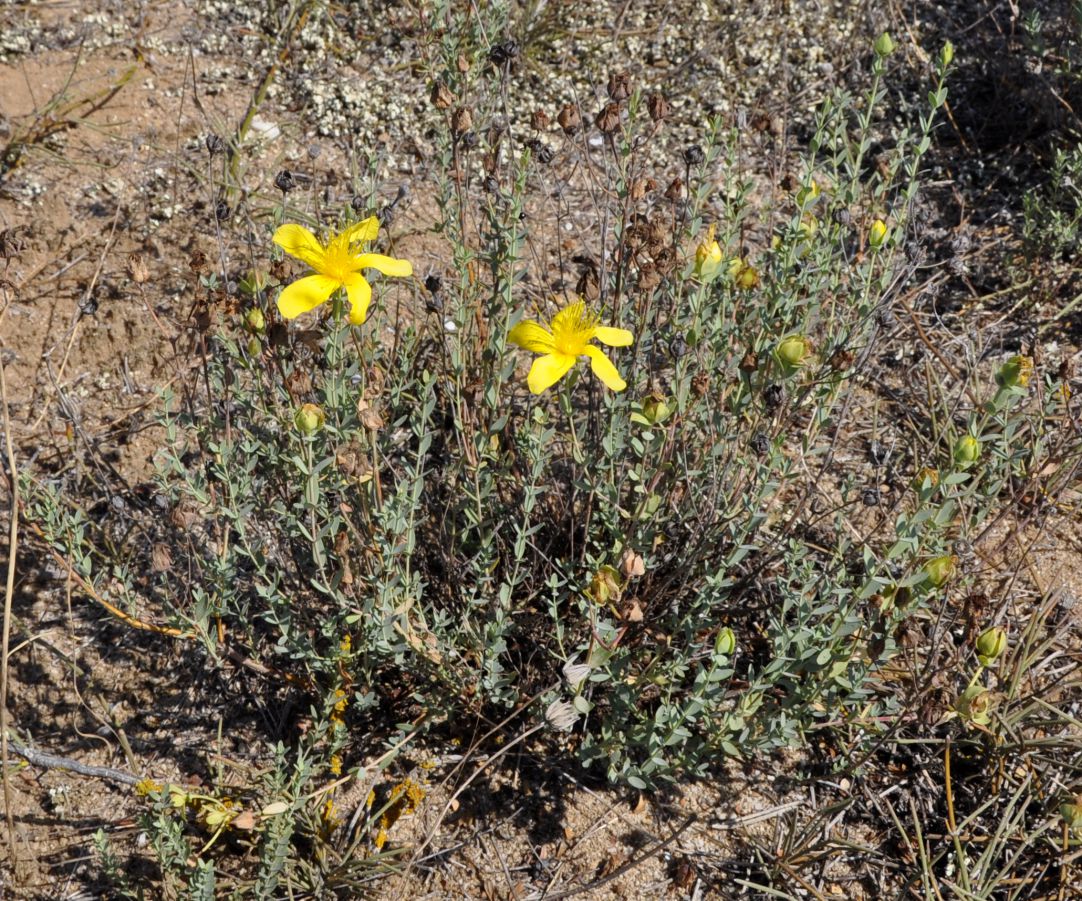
x=743, y=274
x=976, y=705
x=255, y=321
x=884, y=45
x=877, y=234
x=793, y=351
x=309, y=419
x=946, y=55
x=254, y=346
x=808, y=195
x=1071, y=811
x=940, y=570
x=725, y=644
x=1016, y=372
x=605, y=586
x=990, y=644
x=654, y=409
x=967, y=451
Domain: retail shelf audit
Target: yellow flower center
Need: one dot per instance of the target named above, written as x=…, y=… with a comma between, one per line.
x=338, y=263
x=573, y=328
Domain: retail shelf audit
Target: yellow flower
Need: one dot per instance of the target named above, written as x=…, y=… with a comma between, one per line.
x=336, y=265
x=572, y=330
x=707, y=257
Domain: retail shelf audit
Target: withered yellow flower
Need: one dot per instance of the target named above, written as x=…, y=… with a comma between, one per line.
x=572, y=329
x=336, y=265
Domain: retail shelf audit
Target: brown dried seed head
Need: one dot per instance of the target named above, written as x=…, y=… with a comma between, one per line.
x=619, y=86
x=675, y=191
x=649, y=277
x=569, y=119
x=298, y=383
x=666, y=259
x=539, y=121
x=160, y=559
x=138, y=269
x=369, y=415
x=608, y=120
x=461, y=121
x=640, y=187
x=441, y=96
x=658, y=107
x=588, y=287
x=750, y=362
x=462, y=64
x=198, y=262
x=841, y=359
x=184, y=516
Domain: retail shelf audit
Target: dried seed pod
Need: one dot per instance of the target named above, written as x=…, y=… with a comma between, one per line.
x=137, y=269
x=539, y=120
x=569, y=119
x=608, y=120
x=675, y=191
x=461, y=121
x=658, y=107
x=649, y=277
x=619, y=86
x=285, y=181
x=215, y=144
x=441, y=96
x=693, y=155
x=640, y=187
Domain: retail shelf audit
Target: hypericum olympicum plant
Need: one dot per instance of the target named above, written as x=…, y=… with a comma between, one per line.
x=572, y=329
x=337, y=265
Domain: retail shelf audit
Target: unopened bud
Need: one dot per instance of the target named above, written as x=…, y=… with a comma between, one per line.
x=884, y=45
x=654, y=409
x=707, y=257
x=877, y=234
x=967, y=451
x=1016, y=372
x=808, y=195
x=743, y=274
x=946, y=55
x=725, y=643
x=990, y=644
x=939, y=570
x=309, y=419
x=793, y=351
x=255, y=321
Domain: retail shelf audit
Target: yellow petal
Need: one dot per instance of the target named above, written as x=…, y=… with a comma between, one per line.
x=298, y=242
x=381, y=263
x=548, y=370
x=531, y=336
x=361, y=232
x=359, y=293
x=613, y=337
x=305, y=294
x=603, y=368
